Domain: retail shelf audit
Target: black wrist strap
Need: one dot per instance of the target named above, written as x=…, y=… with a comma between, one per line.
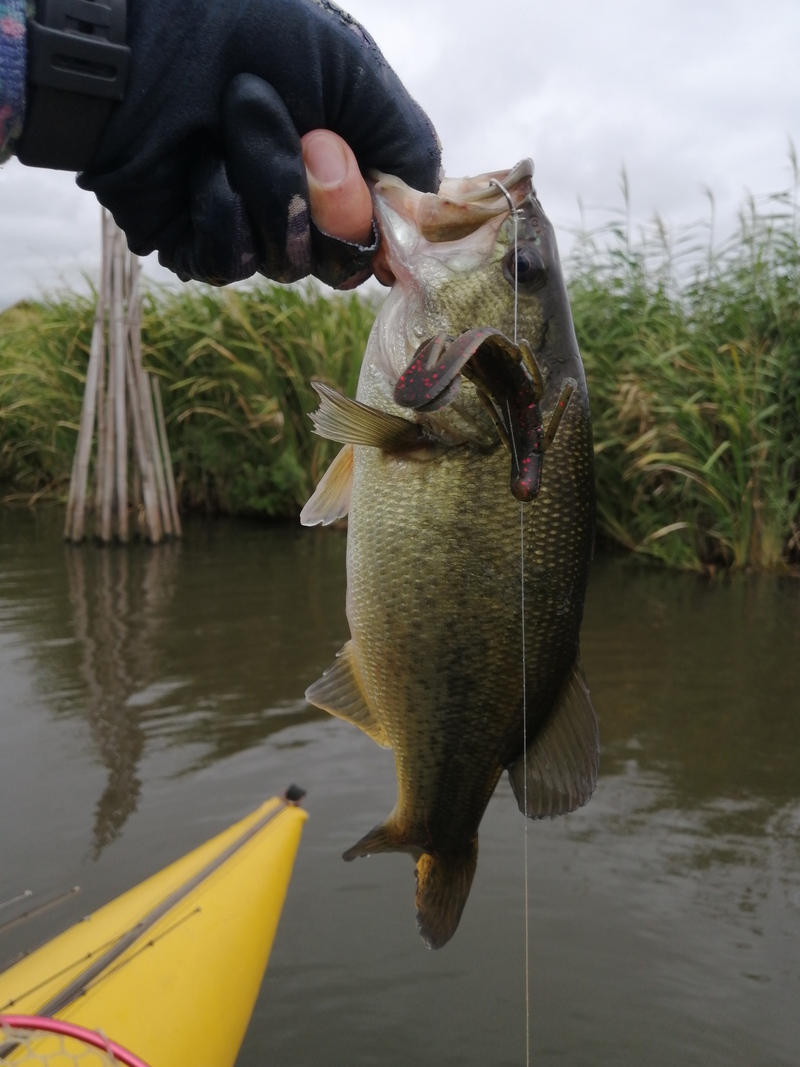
x=77, y=68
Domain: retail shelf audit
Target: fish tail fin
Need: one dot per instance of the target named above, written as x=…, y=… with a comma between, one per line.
x=443, y=885
x=443, y=882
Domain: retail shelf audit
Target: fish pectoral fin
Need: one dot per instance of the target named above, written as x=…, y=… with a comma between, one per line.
x=338, y=691
x=331, y=499
x=340, y=419
x=564, y=757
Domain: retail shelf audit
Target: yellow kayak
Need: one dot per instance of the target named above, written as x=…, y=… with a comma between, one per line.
x=171, y=969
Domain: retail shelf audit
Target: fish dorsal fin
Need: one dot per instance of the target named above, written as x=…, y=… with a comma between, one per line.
x=340, y=419
x=331, y=499
x=563, y=758
x=338, y=691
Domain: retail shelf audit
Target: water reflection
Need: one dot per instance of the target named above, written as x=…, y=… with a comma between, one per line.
x=203, y=647
x=117, y=600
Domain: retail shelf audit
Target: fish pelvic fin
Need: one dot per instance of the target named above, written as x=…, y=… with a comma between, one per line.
x=340, y=419
x=443, y=885
x=331, y=499
x=339, y=692
x=564, y=757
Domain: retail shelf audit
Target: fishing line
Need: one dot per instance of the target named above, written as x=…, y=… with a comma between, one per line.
x=515, y=220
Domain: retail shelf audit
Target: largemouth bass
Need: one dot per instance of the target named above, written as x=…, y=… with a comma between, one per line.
x=456, y=420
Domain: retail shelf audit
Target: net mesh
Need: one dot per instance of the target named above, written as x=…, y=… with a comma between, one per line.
x=34, y=1046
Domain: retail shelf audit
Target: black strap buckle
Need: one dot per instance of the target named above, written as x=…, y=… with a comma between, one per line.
x=77, y=67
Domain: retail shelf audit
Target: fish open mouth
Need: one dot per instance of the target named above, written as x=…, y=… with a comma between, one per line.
x=509, y=383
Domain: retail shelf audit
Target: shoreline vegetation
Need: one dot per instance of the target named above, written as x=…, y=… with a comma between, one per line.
x=692, y=353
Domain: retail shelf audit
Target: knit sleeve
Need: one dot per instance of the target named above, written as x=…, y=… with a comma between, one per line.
x=12, y=74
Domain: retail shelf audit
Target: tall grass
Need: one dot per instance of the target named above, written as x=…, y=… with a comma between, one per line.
x=693, y=358
x=235, y=369
x=44, y=349
x=692, y=353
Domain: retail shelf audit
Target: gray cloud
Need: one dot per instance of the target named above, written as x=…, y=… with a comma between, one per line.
x=683, y=94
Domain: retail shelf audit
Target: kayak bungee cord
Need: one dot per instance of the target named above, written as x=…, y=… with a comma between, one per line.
x=33, y=912
x=15, y=900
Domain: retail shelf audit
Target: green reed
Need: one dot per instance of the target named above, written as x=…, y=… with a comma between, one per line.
x=692, y=352
x=43, y=357
x=235, y=368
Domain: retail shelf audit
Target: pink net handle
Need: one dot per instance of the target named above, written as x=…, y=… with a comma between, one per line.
x=79, y=1033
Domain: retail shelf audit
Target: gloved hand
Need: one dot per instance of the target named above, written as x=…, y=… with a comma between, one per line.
x=202, y=159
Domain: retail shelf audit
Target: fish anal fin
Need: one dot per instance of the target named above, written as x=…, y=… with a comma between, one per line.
x=340, y=419
x=385, y=837
x=443, y=885
x=331, y=499
x=338, y=691
x=564, y=757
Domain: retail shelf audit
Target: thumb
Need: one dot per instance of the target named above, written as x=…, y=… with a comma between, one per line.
x=340, y=201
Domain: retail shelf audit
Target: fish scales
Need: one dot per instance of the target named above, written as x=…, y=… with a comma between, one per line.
x=426, y=567
x=434, y=665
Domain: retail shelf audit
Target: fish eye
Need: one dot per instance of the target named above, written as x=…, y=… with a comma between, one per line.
x=525, y=266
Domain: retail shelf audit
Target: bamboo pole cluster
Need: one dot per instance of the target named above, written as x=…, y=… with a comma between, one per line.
x=122, y=429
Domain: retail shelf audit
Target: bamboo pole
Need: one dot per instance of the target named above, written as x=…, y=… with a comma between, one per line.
x=137, y=503
x=107, y=486
x=126, y=409
x=141, y=406
x=158, y=466
x=162, y=433
x=74, y=529
x=118, y=334
x=105, y=283
x=144, y=468
x=148, y=420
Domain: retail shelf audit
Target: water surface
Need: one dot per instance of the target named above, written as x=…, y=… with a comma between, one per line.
x=150, y=697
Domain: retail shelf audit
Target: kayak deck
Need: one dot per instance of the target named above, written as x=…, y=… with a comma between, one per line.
x=171, y=969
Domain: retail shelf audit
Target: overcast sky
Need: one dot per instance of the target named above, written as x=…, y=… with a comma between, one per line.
x=686, y=94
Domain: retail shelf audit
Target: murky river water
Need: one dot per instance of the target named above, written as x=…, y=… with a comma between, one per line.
x=149, y=697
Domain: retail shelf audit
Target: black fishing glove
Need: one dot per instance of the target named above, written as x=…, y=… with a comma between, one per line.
x=202, y=159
